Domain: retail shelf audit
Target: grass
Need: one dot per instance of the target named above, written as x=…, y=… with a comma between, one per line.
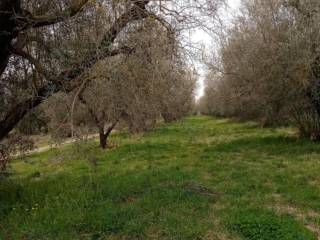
x=201, y=178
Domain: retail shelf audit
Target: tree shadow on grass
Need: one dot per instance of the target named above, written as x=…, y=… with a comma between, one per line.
x=271, y=145
x=127, y=204
x=287, y=164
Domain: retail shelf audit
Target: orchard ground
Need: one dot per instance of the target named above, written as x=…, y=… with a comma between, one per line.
x=201, y=178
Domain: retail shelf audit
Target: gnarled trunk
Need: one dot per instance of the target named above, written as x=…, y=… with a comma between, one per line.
x=8, y=10
x=103, y=135
x=103, y=139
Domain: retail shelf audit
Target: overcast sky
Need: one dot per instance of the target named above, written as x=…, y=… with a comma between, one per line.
x=202, y=37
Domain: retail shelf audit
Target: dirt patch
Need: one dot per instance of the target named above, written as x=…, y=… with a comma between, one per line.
x=201, y=190
x=304, y=216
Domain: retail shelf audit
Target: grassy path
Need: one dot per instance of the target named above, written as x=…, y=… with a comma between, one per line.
x=202, y=178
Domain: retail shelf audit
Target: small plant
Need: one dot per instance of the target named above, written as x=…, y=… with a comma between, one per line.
x=13, y=145
x=257, y=224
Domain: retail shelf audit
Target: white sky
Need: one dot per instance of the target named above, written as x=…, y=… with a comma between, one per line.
x=201, y=37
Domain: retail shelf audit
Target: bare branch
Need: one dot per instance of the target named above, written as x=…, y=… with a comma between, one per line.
x=40, y=69
x=28, y=21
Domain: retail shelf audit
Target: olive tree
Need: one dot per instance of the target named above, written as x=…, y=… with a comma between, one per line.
x=139, y=87
x=48, y=46
x=269, y=66
x=38, y=41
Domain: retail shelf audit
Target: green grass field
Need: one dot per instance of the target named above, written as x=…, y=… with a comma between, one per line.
x=202, y=178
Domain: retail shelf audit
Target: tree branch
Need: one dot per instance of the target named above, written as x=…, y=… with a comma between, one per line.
x=40, y=69
x=70, y=79
x=28, y=21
